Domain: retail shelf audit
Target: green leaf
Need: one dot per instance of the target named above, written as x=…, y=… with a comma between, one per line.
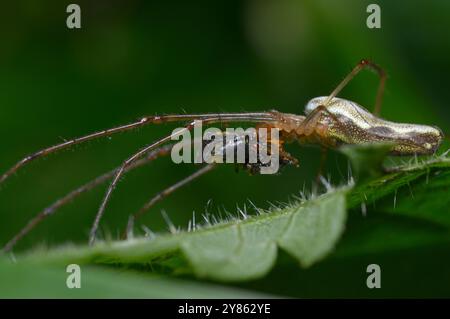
x=23, y=280
x=367, y=159
x=230, y=251
x=407, y=207
x=420, y=190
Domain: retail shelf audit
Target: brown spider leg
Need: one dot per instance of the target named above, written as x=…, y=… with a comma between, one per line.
x=256, y=116
x=362, y=65
x=134, y=157
x=50, y=210
x=163, y=194
x=309, y=125
x=323, y=160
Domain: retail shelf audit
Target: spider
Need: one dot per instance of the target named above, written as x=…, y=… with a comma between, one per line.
x=328, y=121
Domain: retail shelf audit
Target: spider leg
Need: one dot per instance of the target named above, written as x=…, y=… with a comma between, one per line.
x=50, y=210
x=362, y=65
x=163, y=194
x=311, y=120
x=255, y=117
x=222, y=118
x=323, y=160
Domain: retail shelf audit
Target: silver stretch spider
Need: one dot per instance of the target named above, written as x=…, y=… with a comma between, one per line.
x=328, y=121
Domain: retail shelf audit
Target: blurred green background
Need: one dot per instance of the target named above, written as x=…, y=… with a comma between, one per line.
x=138, y=58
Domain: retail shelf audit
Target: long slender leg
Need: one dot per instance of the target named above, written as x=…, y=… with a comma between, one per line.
x=362, y=65
x=309, y=124
x=50, y=210
x=205, y=120
x=166, y=192
x=311, y=121
x=323, y=160
x=255, y=117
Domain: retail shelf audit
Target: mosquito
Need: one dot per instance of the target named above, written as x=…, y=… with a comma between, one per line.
x=328, y=121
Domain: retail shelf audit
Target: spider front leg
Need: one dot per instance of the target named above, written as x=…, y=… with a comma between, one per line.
x=222, y=118
x=67, y=144
x=284, y=159
x=52, y=209
x=251, y=117
x=121, y=171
